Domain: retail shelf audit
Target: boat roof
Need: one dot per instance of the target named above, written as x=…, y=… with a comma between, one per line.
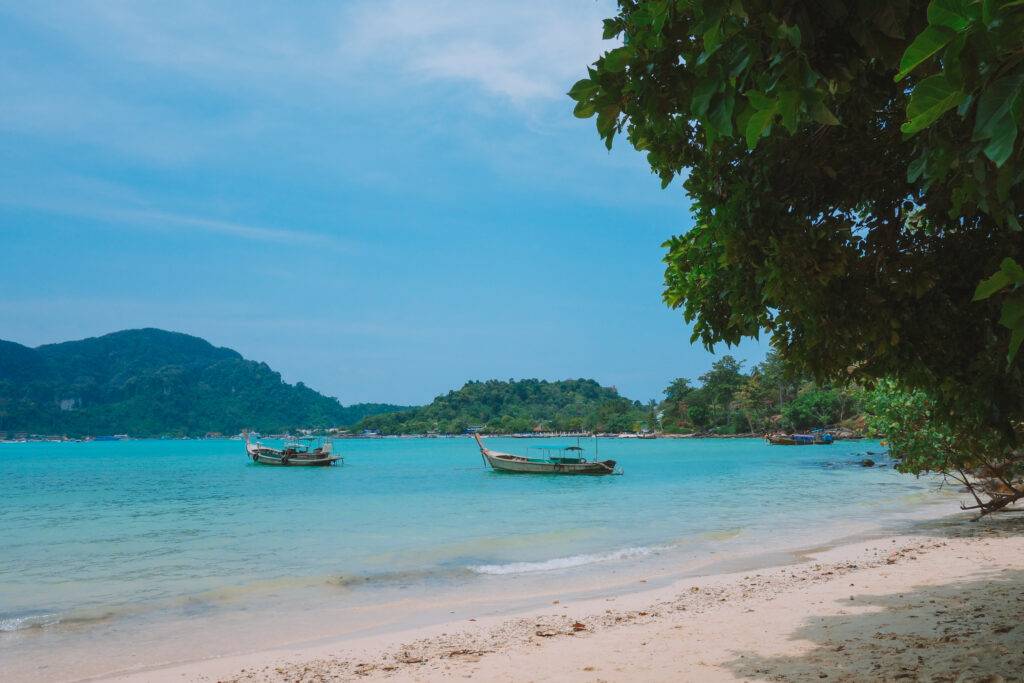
x=554, y=448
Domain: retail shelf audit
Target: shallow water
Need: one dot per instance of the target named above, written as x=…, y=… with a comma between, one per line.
x=150, y=535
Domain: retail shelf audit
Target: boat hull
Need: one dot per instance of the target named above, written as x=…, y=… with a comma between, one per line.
x=523, y=466
x=293, y=461
x=789, y=441
x=261, y=455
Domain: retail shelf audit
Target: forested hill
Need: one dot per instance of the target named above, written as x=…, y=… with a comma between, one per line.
x=152, y=382
x=518, y=406
x=725, y=400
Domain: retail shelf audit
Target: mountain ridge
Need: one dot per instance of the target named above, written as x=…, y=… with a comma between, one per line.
x=153, y=382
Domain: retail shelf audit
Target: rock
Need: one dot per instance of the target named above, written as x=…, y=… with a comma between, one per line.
x=579, y=626
x=867, y=462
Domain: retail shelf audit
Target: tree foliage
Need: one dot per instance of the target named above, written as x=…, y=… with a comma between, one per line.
x=770, y=397
x=922, y=439
x=521, y=406
x=154, y=383
x=725, y=401
x=854, y=172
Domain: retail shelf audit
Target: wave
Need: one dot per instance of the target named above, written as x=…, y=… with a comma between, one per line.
x=397, y=577
x=565, y=562
x=21, y=622
x=39, y=619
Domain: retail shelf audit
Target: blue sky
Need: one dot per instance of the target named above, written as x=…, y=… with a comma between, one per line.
x=381, y=199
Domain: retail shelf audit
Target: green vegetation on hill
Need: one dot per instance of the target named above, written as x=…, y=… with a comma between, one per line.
x=517, y=407
x=728, y=401
x=770, y=397
x=151, y=383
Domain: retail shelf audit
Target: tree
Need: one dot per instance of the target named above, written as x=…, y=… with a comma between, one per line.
x=814, y=407
x=755, y=400
x=720, y=384
x=675, y=407
x=854, y=171
x=976, y=458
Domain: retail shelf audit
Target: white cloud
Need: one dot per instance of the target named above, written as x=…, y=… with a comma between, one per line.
x=520, y=50
x=145, y=218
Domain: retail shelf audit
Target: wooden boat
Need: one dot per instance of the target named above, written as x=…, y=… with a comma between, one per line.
x=556, y=461
x=815, y=439
x=305, y=452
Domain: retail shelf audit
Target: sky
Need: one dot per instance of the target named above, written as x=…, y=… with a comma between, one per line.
x=382, y=199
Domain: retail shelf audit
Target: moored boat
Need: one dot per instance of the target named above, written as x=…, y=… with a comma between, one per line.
x=304, y=452
x=815, y=439
x=565, y=460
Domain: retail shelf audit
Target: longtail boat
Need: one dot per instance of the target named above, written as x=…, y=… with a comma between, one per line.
x=815, y=439
x=565, y=460
x=304, y=452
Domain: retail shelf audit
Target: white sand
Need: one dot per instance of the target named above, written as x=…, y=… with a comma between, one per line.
x=943, y=605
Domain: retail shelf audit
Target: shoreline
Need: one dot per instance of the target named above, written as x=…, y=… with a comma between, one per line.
x=52, y=439
x=549, y=642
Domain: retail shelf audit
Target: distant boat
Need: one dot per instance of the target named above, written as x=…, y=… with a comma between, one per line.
x=816, y=439
x=564, y=460
x=304, y=452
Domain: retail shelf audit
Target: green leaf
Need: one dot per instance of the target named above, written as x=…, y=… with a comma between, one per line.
x=702, y=95
x=713, y=38
x=616, y=60
x=760, y=100
x=916, y=167
x=995, y=119
x=720, y=115
x=790, y=33
x=740, y=66
x=758, y=123
x=583, y=110
x=1012, y=314
x=951, y=64
x=1004, y=134
x=990, y=286
x=926, y=44
x=583, y=89
x=612, y=28
x=953, y=14
x=606, y=120
x=1012, y=270
x=932, y=98
x=659, y=16
x=1016, y=337
x=997, y=99
x=789, y=108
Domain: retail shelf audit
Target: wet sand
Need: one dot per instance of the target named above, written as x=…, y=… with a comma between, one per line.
x=942, y=603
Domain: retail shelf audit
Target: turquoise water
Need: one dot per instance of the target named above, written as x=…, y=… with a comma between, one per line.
x=114, y=530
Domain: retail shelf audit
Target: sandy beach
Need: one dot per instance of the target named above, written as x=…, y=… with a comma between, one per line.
x=941, y=603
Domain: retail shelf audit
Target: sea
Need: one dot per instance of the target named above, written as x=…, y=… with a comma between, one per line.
x=118, y=556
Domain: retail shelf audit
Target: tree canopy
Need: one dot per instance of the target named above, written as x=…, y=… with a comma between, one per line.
x=854, y=172
x=726, y=401
x=520, y=406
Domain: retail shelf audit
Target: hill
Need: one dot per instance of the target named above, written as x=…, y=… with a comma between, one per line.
x=520, y=406
x=152, y=382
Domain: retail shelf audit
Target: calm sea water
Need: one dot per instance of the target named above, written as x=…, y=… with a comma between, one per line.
x=97, y=534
